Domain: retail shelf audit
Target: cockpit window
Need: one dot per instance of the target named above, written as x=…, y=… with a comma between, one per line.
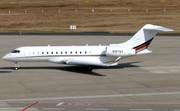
x=15, y=51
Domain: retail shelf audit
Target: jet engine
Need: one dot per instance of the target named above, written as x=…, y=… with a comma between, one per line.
x=119, y=51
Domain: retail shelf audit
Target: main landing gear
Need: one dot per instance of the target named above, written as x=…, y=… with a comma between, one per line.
x=16, y=66
x=89, y=68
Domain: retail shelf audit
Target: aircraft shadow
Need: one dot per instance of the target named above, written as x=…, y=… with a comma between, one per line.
x=76, y=69
x=5, y=71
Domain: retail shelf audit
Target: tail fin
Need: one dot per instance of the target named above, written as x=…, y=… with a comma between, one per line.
x=144, y=36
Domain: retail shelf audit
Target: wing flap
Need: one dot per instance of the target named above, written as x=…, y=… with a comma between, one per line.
x=88, y=63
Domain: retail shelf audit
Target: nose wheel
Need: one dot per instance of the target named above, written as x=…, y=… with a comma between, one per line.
x=16, y=66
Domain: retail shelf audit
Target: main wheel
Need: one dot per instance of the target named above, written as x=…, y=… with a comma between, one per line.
x=89, y=68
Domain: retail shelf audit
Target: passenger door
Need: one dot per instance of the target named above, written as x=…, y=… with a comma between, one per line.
x=26, y=54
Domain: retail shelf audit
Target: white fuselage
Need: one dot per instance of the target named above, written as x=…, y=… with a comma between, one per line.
x=59, y=54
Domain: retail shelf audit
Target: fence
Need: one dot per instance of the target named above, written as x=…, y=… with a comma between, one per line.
x=86, y=10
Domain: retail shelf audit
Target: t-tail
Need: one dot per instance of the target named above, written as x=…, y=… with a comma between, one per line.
x=142, y=39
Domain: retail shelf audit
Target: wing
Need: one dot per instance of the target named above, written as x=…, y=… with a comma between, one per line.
x=88, y=63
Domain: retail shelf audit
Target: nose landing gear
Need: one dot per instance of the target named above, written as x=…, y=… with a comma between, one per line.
x=16, y=66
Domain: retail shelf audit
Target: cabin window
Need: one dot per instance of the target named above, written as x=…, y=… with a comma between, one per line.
x=15, y=51
x=51, y=52
x=56, y=52
x=80, y=52
x=38, y=52
x=33, y=52
x=85, y=52
x=76, y=52
x=47, y=52
x=61, y=52
x=65, y=52
x=71, y=52
x=42, y=52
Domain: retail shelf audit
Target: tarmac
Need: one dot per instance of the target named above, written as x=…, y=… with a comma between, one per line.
x=144, y=82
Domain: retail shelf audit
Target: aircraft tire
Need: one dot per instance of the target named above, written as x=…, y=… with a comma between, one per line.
x=89, y=68
x=15, y=68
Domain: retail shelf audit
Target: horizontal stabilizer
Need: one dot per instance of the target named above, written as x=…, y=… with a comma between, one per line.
x=155, y=27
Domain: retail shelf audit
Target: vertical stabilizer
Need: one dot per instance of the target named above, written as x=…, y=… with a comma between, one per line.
x=143, y=37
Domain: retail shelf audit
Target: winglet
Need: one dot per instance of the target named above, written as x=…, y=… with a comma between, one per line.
x=114, y=64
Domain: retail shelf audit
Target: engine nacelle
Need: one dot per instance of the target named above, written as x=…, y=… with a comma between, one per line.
x=119, y=51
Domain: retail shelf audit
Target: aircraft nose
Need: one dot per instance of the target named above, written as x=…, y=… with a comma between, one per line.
x=4, y=57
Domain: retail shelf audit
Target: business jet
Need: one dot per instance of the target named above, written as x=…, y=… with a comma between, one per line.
x=103, y=56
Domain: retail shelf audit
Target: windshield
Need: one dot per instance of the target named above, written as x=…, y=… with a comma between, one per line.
x=15, y=51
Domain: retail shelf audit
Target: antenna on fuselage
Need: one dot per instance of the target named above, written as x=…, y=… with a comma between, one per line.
x=86, y=44
x=48, y=45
